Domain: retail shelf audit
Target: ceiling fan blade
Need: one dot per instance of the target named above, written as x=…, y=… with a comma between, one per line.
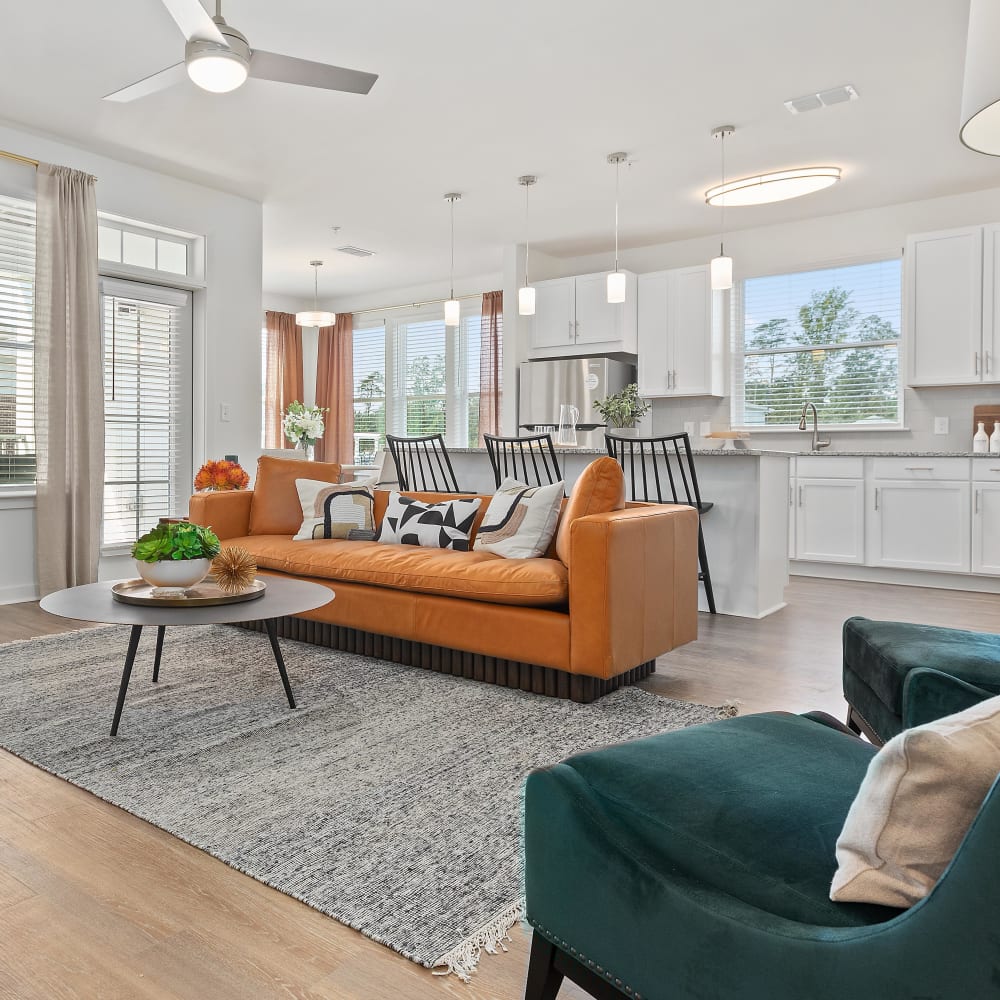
x=151, y=84
x=194, y=21
x=288, y=69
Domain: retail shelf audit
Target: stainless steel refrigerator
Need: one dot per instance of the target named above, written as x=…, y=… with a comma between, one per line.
x=543, y=386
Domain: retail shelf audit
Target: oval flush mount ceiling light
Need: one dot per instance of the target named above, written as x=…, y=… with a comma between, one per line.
x=778, y=185
x=980, y=129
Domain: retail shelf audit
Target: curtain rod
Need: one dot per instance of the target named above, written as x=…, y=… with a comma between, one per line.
x=414, y=305
x=17, y=158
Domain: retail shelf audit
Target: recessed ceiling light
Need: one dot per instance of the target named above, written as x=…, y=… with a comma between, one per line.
x=822, y=99
x=778, y=185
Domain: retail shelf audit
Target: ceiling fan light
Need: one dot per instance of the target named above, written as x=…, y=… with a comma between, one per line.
x=778, y=185
x=721, y=271
x=315, y=317
x=452, y=312
x=616, y=286
x=217, y=70
x=526, y=301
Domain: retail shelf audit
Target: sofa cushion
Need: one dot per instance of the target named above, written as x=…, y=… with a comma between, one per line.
x=600, y=489
x=444, y=525
x=521, y=520
x=276, y=509
x=477, y=576
x=750, y=807
x=331, y=510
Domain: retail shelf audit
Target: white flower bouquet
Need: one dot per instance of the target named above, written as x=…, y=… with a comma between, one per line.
x=302, y=425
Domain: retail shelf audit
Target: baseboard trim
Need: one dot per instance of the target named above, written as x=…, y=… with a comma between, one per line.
x=474, y=666
x=19, y=593
x=900, y=577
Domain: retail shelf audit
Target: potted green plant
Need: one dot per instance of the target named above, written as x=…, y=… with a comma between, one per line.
x=623, y=410
x=175, y=554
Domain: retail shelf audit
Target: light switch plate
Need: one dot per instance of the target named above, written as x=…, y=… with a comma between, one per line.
x=689, y=428
x=225, y=412
x=941, y=425
x=706, y=428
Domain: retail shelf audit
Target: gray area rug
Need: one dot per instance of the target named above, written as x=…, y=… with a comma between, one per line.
x=389, y=800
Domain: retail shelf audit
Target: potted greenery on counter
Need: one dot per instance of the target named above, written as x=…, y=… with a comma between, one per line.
x=175, y=554
x=623, y=410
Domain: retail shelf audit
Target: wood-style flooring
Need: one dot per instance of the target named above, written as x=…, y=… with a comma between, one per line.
x=96, y=903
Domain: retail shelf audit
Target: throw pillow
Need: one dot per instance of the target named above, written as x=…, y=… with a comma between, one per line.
x=331, y=511
x=600, y=489
x=520, y=520
x=275, y=508
x=445, y=525
x=916, y=803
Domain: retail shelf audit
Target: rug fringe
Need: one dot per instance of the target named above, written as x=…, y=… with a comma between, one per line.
x=730, y=709
x=463, y=959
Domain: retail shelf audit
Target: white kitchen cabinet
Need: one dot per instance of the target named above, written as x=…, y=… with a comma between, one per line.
x=573, y=317
x=830, y=520
x=923, y=525
x=680, y=335
x=951, y=310
x=986, y=528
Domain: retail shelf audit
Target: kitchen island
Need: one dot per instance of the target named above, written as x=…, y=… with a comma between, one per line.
x=746, y=532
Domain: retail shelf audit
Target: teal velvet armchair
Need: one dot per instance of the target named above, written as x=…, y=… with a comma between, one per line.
x=696, y=865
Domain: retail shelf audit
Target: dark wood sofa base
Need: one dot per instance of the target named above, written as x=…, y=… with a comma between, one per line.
x=489, y=669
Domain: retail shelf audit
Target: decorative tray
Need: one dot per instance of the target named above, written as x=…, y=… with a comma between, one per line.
x=202, y=595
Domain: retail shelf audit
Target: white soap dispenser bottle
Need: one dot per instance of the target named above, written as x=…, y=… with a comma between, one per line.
x=981, y=443
x=995, y=438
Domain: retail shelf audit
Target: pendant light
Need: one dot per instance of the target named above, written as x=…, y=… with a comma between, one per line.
x=721, y=267
x=452, y=309
x=315, y=316
x=616, y=280
x=526, y=294
x=980, y=129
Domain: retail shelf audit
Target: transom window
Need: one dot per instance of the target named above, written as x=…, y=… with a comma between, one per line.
x=829, y=336
x=145, y=248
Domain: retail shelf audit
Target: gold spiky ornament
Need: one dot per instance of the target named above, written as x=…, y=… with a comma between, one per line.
x=234, y=570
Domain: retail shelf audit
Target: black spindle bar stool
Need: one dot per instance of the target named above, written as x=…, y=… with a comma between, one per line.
x=661, y=470
x=422, y=463
x=531, y=459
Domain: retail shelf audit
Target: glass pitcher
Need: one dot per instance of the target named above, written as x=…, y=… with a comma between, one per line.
x=568, y=417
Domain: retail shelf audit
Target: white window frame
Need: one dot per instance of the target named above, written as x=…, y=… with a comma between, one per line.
x=738, y=352
x=196, y=255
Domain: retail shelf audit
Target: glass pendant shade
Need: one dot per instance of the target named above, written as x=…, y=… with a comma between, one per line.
x=616, y=287
x=721, y=270
x=217, y=72
x=526, y=301
x=315, y=317
x=452, y=312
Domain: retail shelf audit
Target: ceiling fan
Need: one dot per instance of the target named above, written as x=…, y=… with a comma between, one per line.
x=218, y=58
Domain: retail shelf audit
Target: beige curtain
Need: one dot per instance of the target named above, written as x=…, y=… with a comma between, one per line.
x=491, y=364
x=69, y=386
x=283, y=378
x=335, y=390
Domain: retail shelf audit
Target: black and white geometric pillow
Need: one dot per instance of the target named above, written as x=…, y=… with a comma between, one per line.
x=445, y=525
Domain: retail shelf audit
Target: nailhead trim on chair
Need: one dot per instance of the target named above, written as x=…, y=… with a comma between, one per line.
x=566, y=946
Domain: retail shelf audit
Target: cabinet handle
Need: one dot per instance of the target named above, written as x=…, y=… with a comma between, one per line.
x=976, y=356
x=570, y=329
x=920, y=468
x=800, y=496
x=976, y=508
x=791, y=495
x=988, y=362
x=876, y=498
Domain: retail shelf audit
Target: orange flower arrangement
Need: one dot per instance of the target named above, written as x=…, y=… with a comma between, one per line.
x=221, y=475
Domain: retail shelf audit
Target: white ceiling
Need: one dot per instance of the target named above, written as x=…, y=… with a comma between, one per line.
x=473, y=93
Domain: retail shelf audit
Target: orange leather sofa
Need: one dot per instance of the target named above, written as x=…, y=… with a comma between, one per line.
x=617, y=588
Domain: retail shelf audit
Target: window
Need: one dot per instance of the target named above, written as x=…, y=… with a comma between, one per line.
x=830, y=336
x=144, y=247
x=17, y=304
x=147, y=406
x=415, y=376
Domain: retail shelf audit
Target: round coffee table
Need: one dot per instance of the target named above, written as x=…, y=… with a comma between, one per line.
x=93, y=602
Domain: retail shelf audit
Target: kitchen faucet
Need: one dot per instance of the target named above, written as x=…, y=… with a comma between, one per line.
x=818, y=442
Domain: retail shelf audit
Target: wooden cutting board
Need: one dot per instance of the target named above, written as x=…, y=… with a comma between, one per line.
x=988, y=413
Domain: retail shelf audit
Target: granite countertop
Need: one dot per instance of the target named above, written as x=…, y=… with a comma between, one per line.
x=896, y=454
x=726, y=452
x=730, y=452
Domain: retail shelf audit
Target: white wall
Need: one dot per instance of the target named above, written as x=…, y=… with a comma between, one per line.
x=774, y=249
x=227, y=313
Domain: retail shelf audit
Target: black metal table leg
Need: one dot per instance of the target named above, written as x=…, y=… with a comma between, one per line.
x=160, y=629
x=272, y=634
x=133, y=645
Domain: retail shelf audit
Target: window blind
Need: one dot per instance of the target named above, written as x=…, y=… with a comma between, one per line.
x=17, y=303
x=147, y=406
x=422, y=343
x=369, y=392
x=830, y=336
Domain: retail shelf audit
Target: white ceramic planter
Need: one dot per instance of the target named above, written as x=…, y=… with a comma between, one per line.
x=174, y=572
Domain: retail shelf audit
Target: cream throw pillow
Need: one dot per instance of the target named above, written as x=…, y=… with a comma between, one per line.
x=919, y=798
x=331, y=510
x=520, y=520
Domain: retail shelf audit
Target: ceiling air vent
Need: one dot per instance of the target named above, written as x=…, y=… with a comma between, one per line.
x=356, y=251
x=811, y=102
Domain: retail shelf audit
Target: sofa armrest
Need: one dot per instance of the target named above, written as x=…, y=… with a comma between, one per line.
x=930, y=694
x=226, y=512
x=633, y=586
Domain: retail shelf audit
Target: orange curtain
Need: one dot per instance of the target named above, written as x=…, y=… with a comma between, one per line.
x=284, y=380
x=335, y=390
x=490, y=364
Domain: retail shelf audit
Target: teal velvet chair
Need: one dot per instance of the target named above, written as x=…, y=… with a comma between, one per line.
x=696, y=865
x=893, y=673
